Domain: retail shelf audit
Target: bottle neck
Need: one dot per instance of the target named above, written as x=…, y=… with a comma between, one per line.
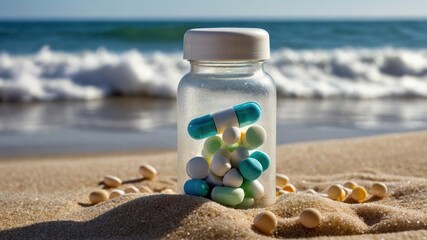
x=225, y=67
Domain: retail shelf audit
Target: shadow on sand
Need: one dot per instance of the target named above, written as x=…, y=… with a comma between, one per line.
x=145, y=217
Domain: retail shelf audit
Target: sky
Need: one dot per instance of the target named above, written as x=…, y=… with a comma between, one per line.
x=197, y=9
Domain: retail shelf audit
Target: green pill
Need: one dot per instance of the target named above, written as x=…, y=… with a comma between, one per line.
x=212, y=144
x=196, y=187
x=253, y=189
x=227, y=195
x=262, y=158
x=254, y=137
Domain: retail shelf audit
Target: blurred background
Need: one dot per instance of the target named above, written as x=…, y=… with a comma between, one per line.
x=101, y=75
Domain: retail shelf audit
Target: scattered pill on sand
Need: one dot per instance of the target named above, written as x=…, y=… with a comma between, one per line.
x=311, y=191
x=112, y=181
x=168, y=191
x=289, y=188
x=336, y=192
x=145, y=189
x=147, y=171
x=379, y=189
x=359, y=194
x=310, y=217
x=116, y=193
x=350, y=184
x=281, y=179
x=98, y=196
x=132, y=189
x=265, y=222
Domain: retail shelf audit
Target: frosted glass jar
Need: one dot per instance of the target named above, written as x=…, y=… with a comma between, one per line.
x=226, y=71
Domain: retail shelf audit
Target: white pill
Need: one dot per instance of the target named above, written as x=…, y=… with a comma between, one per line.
x=232, y=178
x=147, y=171
x=112, y=181
x=220, y=164
x=213, y=179
x=231, y=135
x=238, y=155
x=198, y=168
x=116, y=193
x=132, y=189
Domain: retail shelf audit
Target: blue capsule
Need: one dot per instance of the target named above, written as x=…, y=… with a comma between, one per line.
x=196, y=187
x=211, y=124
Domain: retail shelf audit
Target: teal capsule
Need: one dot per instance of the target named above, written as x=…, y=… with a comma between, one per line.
x=211, y=124
x=250, y=169
x=196, y=187
x=262, y=158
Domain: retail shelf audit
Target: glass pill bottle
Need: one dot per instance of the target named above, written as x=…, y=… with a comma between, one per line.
x=227, y=118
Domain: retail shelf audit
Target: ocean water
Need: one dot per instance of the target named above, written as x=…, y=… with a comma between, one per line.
x=46, y=61
x=75, y=86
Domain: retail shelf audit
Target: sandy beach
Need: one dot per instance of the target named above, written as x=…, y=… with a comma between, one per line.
x=47, y=198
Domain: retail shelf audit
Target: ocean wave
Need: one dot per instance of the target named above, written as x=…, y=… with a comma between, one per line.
x=346, y=72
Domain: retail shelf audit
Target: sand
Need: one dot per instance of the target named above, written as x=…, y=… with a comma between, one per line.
x=48, y=198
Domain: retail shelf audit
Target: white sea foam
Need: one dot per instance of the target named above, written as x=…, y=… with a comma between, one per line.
x=347, y=72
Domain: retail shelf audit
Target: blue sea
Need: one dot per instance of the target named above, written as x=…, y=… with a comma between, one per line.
x=90, y=86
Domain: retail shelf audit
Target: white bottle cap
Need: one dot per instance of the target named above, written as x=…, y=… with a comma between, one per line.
x=226, y=44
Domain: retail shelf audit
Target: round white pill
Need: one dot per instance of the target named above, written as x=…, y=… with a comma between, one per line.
x=231, y=135
x=197, y=168
x=232, y=178
x=220, y=164
x=238, y=155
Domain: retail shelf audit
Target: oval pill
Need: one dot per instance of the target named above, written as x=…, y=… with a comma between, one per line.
x=359, y=194
x=231, y=135
x=254, y=137
x=147, y=171
x=281, y=179
x=232, y=178
x=210, y=124
x=289, y=188
x=310, y=217
x=227, y=196
x=145, y=189
x=220, y=164
x=265, y=222
x=98, y=196
x=238, y=155
x=379, y=189
x=250, y=168
x=262, y=158
x=116, y=193
x=336, y=192
x=196, y=187
x=112, y=181
x=168, y=191
x=197, y=168
x=132, y=189
x=253, y=189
